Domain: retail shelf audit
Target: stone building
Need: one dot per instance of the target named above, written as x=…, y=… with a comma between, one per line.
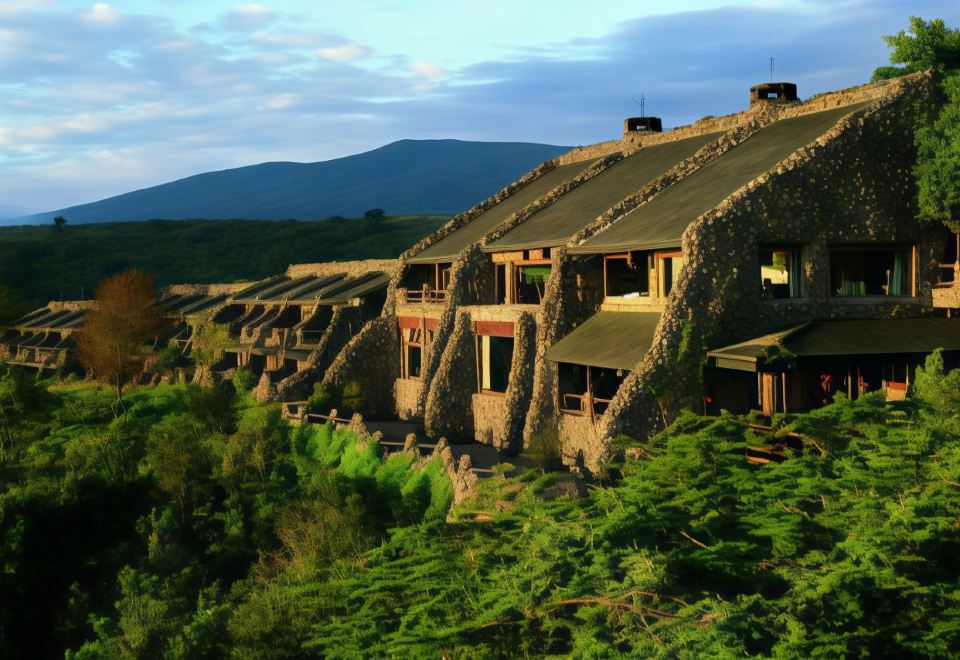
x=593, y=296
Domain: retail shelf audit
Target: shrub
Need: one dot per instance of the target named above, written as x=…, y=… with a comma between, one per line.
x=546, y=449
x=352, y=397
x=243, y=380
x=323, y=399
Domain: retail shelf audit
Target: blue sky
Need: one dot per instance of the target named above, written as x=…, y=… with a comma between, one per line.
x=101, y=98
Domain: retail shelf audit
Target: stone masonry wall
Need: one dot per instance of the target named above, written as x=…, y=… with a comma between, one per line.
x=300, y=385
x=450, y=396
x=573, y=293
x=372, y=359
x=508, y=434
x=852, y=184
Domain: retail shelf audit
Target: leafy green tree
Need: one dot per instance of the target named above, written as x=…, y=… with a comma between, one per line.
x=59, y=223
x=931, y=45
x=924, y=45
x=374, y=215
x=208, y=342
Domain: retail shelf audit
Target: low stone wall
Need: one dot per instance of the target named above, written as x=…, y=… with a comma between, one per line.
x=371, y=359
x=406, y=394
x=206, y=289
x=489, y=412
x=70, y=305
x=348, y=268
x=581, y=441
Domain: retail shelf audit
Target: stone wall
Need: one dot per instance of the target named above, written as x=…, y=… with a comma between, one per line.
x=300, y=385
x=371, y=359
x=205, y=289
x=449, y=398
x=852, y=184
x=406, y=396
x=573, y=293
x=508, y=433
x=348, y=268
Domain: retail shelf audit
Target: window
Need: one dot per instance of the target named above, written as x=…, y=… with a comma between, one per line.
x=671, y=263
x=495, y=357
x=411, y=357
x=627, y=274
x=587, y=390
x=871, y=272
x=948, y=263
x=780, y=272
x=531, y=282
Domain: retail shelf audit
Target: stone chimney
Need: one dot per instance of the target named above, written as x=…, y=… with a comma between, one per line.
x=773, y=92
x=642, y=125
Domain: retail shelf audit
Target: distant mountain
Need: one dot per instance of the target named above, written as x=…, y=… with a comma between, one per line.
x=405, y=177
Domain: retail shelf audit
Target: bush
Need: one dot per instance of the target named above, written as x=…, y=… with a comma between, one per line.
x=546, y=449
x=243, y=380
x=323, y=399
x=352, y=396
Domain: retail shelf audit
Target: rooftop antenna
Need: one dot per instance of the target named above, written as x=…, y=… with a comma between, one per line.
x=642, y=103
x=771, y=69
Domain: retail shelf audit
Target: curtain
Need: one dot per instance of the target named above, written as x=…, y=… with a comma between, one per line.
x=852, y=282
x=536, y=274
x=898, y=285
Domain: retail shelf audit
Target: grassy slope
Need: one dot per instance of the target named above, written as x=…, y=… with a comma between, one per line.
x=37, y=263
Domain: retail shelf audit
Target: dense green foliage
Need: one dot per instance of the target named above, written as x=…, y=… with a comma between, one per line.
x=37, y=263
x=198, y=524
x=931, y=45
x=151, y=533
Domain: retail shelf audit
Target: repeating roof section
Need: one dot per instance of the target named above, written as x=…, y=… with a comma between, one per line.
x=661, y=221
x=557, y=223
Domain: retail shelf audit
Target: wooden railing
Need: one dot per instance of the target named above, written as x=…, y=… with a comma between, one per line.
x=425, y=295
x=583, y=404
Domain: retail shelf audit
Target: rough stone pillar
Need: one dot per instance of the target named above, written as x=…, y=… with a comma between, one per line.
x=449, y=400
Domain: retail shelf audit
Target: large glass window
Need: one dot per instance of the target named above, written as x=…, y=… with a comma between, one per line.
x=780, y=272
x=871, y=272
x=627, y=274
x=496, y=355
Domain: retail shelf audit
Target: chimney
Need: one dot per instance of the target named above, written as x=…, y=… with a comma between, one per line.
x=642, y=125
x=773, y=92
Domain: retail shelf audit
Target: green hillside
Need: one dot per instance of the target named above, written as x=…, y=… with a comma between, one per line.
x=38, y=263
x=198, y=524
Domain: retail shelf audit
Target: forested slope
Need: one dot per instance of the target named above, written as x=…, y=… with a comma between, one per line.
x=197, y=524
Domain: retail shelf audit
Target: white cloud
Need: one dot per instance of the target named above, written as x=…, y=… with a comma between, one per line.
x=428, y=70
x=345, y=53
x=248, y=17
x=102, y=12
x=280, y=101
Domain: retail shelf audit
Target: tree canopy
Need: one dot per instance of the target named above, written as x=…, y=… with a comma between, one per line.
x=113, y=342
x=931, y=45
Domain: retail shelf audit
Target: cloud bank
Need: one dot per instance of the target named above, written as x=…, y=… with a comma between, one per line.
x=99, y=101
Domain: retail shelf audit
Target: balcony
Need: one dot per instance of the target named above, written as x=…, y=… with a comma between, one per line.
x=423, y=295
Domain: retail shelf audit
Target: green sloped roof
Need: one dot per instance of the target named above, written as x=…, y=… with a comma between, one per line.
x=615, y=340
x=850, y=337
x=355, y=287
x=447, y=248
x=661, y=222
x=557, y=223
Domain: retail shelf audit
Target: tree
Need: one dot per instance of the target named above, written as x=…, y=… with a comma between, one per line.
x=113, y=344
x=59, y=222
x=208, y=342
x=373, y=215
x=931, y=45
x=924, y=45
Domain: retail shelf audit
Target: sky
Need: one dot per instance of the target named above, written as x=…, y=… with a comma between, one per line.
x=100, y=98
